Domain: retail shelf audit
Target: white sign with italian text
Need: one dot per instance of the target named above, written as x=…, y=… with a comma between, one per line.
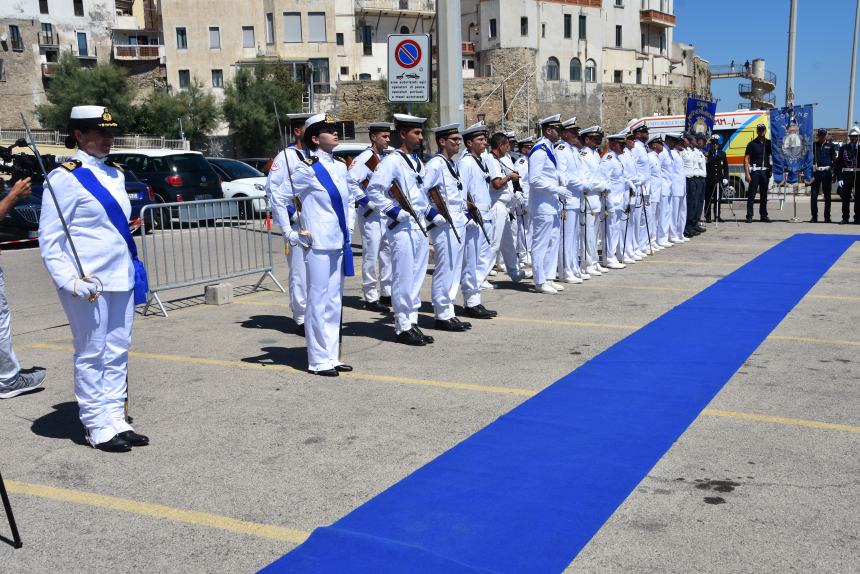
x=409, y=71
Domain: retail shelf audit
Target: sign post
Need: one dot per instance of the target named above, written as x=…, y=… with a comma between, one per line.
x=409, y=69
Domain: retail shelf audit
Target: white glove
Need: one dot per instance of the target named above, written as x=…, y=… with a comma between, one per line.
x=403, y=215
x=81, y=288
x=438, y=219
x=725, y=182
x=840, y=184
x=303, y=239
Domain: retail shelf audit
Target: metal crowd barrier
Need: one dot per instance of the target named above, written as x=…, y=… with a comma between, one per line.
x=202, y=242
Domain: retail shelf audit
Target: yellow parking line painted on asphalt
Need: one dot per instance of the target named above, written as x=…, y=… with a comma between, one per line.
x=272, y=367
x=616, y=326
x=781, y=420
x=814, y=341
x=159, y=511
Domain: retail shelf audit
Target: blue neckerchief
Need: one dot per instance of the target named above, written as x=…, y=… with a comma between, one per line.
x=90, y=182
x=548, y=153
x=337, y=203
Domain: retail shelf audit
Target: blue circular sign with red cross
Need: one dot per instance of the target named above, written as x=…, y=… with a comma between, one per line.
x=408, y=53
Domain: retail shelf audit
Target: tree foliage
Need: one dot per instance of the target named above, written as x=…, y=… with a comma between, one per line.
x=72, y=85
x=197, y=107
x=248, y=106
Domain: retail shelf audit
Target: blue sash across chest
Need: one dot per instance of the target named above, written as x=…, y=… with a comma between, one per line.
x=337, y=204
x=548, y=151
x=116, y=216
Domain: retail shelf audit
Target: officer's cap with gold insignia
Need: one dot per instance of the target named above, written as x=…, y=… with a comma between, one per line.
x=405, y=121
x=297, y=120
x=378, y=127
x=446, y=130
x=643, y=127
x=474, y=130
x=854, y=131
x=619, y=137
x=657, y=138
x=628, y=134
x=570, y=123
x=551, y=122
x=525, y=141
x=317, y=124
x=90, y=118
x=511, y=135
x=592, y=131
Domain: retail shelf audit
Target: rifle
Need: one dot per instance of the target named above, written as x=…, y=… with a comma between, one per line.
x=473, y=210
x=403, y=200
x=442, y=207
x=516, y=182
x=371, y=163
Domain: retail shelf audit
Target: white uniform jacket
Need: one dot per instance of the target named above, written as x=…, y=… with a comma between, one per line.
x=102, y=250
x=359, y=172
x=505, y=194
x=475, y=176
x=691, y=167
x=643, y=166
x=442, y=174
x=318, y=213
x=612, y=172
x=573, y=177
x=667, y=169
x=655, y=176
x=679, y=181
x=408, y=173
x=279, y=188
x=522, y=167
x=701, y=163
x=545, y=181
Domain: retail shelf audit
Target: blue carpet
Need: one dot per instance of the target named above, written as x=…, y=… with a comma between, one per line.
x=527, y=493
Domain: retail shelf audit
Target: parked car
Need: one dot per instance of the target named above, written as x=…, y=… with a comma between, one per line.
x=174, y=175
x=261, y=164
x=238, y=179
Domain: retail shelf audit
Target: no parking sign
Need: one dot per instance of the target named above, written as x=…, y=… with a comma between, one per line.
x=409, y=72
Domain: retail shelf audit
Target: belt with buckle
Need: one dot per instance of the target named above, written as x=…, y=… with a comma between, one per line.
x=823, y=168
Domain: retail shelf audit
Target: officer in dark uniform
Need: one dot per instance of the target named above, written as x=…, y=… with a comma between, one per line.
x=717, y=169
x=823, y=157
x=846, y=173
x=757, y=169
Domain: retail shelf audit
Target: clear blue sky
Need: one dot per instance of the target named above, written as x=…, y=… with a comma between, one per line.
x=740, y=30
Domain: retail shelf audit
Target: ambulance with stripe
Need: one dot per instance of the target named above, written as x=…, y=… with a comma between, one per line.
x=736, y=130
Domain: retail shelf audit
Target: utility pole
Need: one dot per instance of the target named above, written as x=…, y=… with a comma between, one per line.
x=450, y=81
x=792, y=36
x=853, y=68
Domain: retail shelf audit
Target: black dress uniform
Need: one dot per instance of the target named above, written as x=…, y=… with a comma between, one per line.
x=759, y=152
x=717, y=170
x=824, y=155
x=846, y=173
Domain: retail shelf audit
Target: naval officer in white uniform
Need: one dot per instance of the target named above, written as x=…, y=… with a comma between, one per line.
x=99, y=306
x=327, y=192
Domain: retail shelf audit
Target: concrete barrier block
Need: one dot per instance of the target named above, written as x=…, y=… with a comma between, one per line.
x=219, y=294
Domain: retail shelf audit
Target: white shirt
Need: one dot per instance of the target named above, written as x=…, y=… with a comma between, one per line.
x=395, y=168
x=500, y=168
x=701, y=163
x=360, y=172
x=102, y=250
x=475, y=176
x=442, y=174
x=688, y=156
x=279, y=188
x=318, y=213
x=545, y=183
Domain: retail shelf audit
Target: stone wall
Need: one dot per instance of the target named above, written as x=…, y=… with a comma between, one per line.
x=622, y=102
x=22, y=89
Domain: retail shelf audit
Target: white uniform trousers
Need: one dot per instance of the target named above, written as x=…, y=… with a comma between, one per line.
x=592, y=222
x=376, y=253
x=635, y=223
x=448, y=256
x=470, y=278
x=488, y=251
x=664, y=213
x=615, y=230
x=520, y=231
x=325, y=300
x=101, y=333
x=297, y=279
x=9, y=366
x=504, y=242
x=676, y=221
x=681, y=221
x=545, y=234
x=647, y=231
x=409, y=254
x=569, y=243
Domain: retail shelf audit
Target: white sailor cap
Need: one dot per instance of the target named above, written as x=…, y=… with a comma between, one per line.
x=592, y=131
x=672, y=136
x=619, y=137
x=656, y=138
x=628, y=134
x=551, y=122
x=377, y=127
x=525, y=141
x=93, y=118
x=569, y=123
x=854, y=131
x=297, y=120
x=511, y=135
x=407, y=121
x=474, y=130
x=446, y=130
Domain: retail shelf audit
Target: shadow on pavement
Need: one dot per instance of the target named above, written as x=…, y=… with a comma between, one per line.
x=63, y=423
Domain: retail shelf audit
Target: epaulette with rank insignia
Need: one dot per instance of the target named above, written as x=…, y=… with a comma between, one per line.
x=115, y=164
x=311, y=160
x=560, y=146
x=340, y=159
x=583, y=153
x=71, y=164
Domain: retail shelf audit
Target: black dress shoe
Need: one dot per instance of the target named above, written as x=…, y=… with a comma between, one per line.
x=843, y=222
x=376, y=306
x=707, y=219
x=427, y=338
x=343, y=368
x=813, y=220
x=115, y=444
x=300, y=330
x=477, y=312
x=766, y=219
x=325, y=373
x=720, y=220
x=466, y=324
x=827, y=220
x=385, y=300
x=490, y=311
x=749, y=219
x=133, y=438
x=449, y=325
x=701, y=229
x=410, y=337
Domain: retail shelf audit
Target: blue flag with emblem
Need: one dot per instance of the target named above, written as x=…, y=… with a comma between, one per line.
x=90, y=182
x=337, y=204
x=699, y=119
x=791, y=138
